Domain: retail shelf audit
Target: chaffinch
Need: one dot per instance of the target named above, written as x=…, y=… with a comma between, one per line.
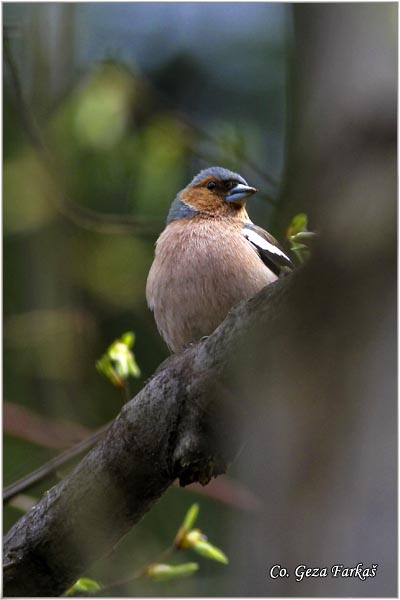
x=209, y=257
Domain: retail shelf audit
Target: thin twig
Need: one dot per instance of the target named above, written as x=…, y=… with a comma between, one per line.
x=140, y=572
x=80, y=216
x=52, y=465
x=28, y=121
x=189, y=122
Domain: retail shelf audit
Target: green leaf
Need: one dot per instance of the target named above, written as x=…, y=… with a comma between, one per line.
x=191, y=516
x=162, y=572
x=204, y=548
x=83, y=585
x=188, y=538
x=118, y=363
x=299, y=237
x=304, y=236
x=118, y=354
x=104, y=366
x=187, y=524
x=128, y=339
x=298, y=224
x=197, y=541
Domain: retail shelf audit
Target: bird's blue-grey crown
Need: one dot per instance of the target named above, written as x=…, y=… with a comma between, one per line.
x=180, y=210
x=219, y=173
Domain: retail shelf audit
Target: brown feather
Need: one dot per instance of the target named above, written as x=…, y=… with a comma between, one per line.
x=212, y=202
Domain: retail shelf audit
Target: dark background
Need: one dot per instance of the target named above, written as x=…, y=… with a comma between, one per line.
x=131, y=101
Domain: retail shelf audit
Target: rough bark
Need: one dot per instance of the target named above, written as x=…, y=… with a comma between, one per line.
x=312, y=359
x=323, y=416
x=171, y=429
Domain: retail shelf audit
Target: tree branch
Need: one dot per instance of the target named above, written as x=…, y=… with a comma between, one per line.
x=171, y=429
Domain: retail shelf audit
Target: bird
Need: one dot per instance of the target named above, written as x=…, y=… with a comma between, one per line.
x=209, y=257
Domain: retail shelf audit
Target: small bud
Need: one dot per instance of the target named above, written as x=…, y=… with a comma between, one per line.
x=104, y=366
x=304, y=237
x=192, y=537
x=197, y=541
x=82, y=586
x=118, y=354
x=191, y=516
x=299, y=237
x=187, y=524
x=133, y=367
x=119, y=363
x=128, y=339
x=161, y=572
x=204, y=548
x=299, y=223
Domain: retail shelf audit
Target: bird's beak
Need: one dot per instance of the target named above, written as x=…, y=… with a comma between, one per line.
x=240, y=193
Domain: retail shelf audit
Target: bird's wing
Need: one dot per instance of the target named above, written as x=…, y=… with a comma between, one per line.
x=267, y=247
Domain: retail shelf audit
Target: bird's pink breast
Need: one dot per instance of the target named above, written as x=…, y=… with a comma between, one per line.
x=201, y=270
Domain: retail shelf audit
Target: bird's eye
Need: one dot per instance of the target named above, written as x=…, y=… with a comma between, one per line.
x=212, y=185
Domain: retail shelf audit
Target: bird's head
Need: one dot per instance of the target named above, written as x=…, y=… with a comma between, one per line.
x=214, y=191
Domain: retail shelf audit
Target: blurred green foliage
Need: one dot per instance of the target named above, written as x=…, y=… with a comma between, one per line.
x=126, y=126
x=299, y=237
